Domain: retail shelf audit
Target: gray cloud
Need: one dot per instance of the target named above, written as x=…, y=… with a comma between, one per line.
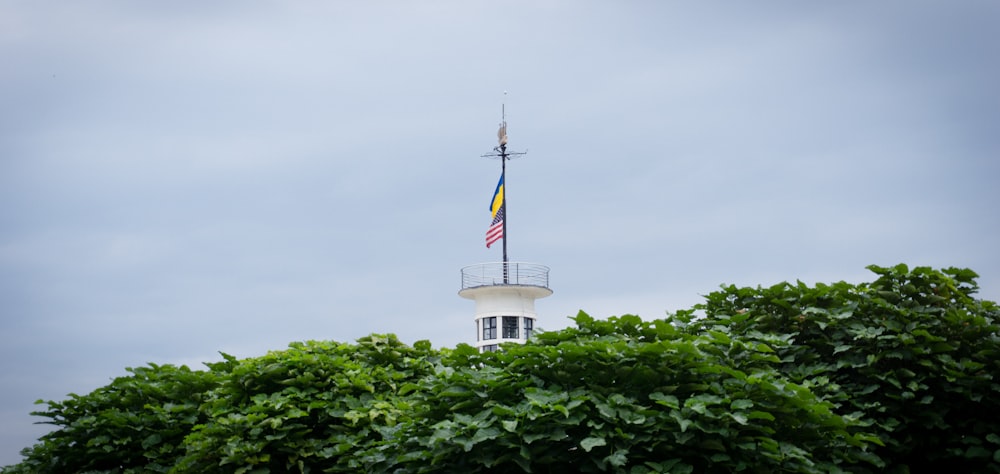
x=183, y=178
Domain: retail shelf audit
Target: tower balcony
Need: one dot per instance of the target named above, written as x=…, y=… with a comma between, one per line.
x=505, y=273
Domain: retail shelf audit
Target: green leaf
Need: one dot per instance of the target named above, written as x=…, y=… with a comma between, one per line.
x=617, y=459
x=738, y=417
x=977, y=452
x=456, y=391
x=151, y=440
x=741, y=404
x=605, y=410
x=681, y=421
x=842, y=348
x=485, y=434
x=761, y=347
x=760, y=415
x=589, y=443
x=532, y=437
x=668, y=401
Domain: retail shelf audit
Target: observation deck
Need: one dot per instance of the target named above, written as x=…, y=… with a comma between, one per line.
x=505, y=274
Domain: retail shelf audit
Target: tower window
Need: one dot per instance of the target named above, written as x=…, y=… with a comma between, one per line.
x=510, y=327
x=490, y=348
x=490, y=328
x=529, y=327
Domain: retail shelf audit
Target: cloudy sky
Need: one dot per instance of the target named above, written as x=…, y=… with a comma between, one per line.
x=182, y=178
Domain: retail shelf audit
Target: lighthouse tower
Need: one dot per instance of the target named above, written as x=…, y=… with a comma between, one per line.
x=504, y=292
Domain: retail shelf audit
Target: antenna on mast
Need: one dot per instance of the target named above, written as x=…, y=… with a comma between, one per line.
x=500, y=151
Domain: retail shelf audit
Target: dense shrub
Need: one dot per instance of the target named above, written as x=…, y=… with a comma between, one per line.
x=895, y=375
x=312, y=407
x=621, y=395
x=134, y=424
x=913, y=355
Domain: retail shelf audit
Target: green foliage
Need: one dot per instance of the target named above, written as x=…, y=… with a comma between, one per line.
x=620, y=395
x=889, y=376
x=312, y=407
x=135, y=424
x=912, y=355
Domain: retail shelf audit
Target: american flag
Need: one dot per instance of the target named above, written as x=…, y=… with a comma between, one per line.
x=495, y=232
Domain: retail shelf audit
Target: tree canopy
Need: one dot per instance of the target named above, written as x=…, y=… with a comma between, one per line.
x=889, y=376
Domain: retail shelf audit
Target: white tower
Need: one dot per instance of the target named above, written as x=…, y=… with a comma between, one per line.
x=505, y=294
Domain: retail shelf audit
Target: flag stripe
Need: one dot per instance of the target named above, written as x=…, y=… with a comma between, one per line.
x=495, y=232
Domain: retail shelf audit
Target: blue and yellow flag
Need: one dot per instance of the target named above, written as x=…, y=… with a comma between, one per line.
x=497, y=200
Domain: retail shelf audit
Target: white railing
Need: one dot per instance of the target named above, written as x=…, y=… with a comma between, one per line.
x=509, y=273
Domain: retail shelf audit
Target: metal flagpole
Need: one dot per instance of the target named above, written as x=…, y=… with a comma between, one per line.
x=503, y=178
x=501, y=152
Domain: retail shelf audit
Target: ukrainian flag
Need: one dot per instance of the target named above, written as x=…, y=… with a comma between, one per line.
x=497, y=201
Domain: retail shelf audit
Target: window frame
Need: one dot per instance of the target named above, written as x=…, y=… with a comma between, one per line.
x=489, y=328
x=509, y=331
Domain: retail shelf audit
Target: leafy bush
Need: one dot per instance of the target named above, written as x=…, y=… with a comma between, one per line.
x=312, y=407
x=912, y=355
x=889, y=376
x=134, y=424
x=621, y=395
